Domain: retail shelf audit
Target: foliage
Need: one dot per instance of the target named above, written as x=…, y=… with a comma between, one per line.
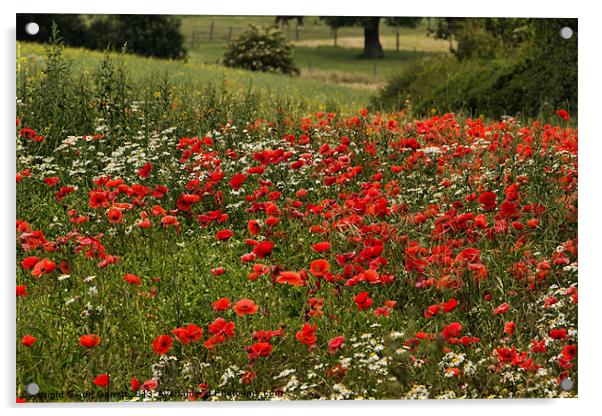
x=146, y=35
x=529, y=70
x=73, y=29
x=263, y=49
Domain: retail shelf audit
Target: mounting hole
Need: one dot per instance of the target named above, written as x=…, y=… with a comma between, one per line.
x=566, y=33
x=33, y=389
x=566, y=384
x=32, y=28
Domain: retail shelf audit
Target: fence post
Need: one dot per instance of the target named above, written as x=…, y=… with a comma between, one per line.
x=334, y=31
x=193, y=40
x=397, y=39
x=211, y=31
x=229, y=35
x=297, y=32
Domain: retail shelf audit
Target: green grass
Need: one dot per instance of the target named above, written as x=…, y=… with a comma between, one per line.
x=315, y=53
x=193, y=73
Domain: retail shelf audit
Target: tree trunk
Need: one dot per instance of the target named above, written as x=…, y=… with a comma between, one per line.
x=372, y=47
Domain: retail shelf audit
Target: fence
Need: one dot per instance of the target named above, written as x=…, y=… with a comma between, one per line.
x=214, y=33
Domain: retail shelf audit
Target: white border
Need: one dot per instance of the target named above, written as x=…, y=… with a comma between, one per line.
x=590, y=212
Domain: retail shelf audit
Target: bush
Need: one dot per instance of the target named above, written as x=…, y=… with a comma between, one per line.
x=446, y=84
x=537, y=80
x=262, y=49
x=72, y=28
x=146, y=35
x=474, y=41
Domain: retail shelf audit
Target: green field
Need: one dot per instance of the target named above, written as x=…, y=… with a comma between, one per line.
x=315, y=53
x=192, y=75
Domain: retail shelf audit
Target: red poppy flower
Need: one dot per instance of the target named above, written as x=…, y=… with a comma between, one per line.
x=181, y=335
x=532, y=223
x=263, y=249
x=248, y=377
x=271, y=221
x=115, y=215
x=509, y=328
x=237, y=181
x=451, y=330
x=363, y=300
x=21, y=291
x=501, y=309
x=223, y=235
x=169, y=220
x=335, y=344
x=30, y=262
x=319, y=267
x=450, y=305
x=253, y=227
x=259, y=349
x=213, y=341
x=480, y=221
x=102, y=380
x=569, y=352
x=222, y=304
x=559, y=333
x=52, y=181
x=89, y=341
x=307, y=335
x=245, y=258
x=218, y=271
x=245, y=307
x=488, y=201
x=150, y=385
x=266, y=336
x=321, y=247
x=563, y=114
x=134, y=384
x=97, y=199
x=44, y=266
x=162, y=344
x=132, y=279
x=222, y=327
x=290, y=278
x=186, y=201
x=144, y=171
x=431, y=311
x=28, y=340
x=194, y=332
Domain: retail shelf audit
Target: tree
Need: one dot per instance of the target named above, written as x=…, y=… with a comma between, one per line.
x=72, y=27
x=447, y=28
x=147, y=35
x=372, y=46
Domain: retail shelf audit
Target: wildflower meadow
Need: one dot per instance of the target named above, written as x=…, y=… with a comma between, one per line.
x=206, y=240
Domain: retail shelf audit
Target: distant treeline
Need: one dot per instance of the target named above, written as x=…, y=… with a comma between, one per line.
x=146, y=35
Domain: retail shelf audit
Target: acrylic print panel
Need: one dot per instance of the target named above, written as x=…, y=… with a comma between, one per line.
x=295, y=208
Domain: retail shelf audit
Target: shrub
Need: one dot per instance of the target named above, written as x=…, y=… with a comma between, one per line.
x=72, y=28
x=146, y=35
x=262, y=49
x=536, y=80
x=446, y=84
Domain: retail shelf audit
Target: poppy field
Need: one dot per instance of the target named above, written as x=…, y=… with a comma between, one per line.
x=323, y=255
